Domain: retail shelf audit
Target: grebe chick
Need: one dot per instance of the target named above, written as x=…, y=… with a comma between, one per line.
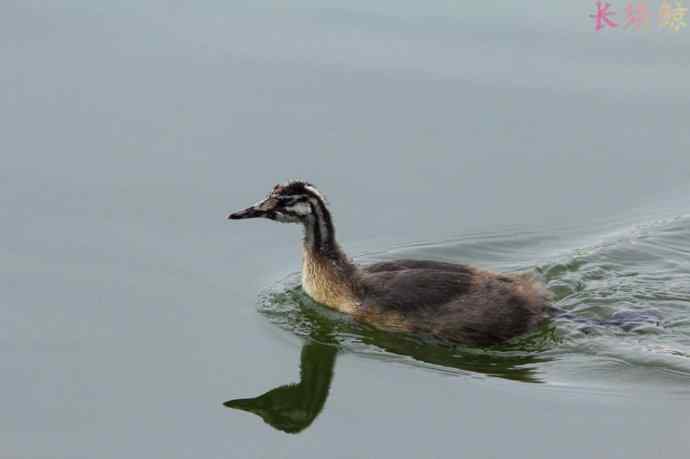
x=450, y=301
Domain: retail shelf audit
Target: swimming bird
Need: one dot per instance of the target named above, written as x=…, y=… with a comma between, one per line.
x=453, y=302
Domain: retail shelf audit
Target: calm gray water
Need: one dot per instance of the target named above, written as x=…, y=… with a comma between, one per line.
x=137, y=322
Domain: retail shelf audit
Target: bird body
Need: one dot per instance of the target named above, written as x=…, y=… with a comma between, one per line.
x=455, y=302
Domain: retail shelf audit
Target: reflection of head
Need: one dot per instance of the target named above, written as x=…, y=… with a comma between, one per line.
x=293, y=407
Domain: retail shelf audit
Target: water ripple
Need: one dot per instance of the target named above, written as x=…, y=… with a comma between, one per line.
x=624, y=296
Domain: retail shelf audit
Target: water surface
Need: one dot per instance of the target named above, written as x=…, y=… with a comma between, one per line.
x=509, y=136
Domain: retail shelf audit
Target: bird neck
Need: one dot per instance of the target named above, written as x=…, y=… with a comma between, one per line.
x=320, y=246
x=330, y=279
x=319, y=232
x=328, y=276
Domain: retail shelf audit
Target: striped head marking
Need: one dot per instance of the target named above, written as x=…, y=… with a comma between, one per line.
x=292, y=202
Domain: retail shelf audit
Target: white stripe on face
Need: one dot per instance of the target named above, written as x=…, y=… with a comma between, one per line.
x=301, y=209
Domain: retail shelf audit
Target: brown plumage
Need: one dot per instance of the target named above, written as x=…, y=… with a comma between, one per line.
x=454, y=302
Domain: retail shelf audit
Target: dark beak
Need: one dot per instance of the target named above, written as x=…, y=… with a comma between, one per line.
x=249, y=212
x=244, y=404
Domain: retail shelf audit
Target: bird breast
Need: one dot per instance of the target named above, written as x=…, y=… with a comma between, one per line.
x=324, y=284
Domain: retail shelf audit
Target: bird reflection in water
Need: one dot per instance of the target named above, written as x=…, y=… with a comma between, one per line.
x=293, y=407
